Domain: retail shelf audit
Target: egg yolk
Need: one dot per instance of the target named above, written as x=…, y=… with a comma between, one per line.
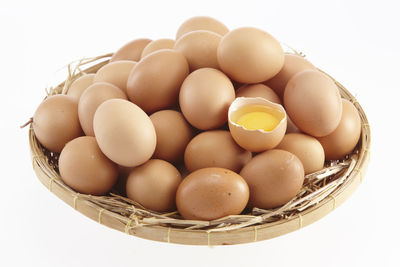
x=258, y=120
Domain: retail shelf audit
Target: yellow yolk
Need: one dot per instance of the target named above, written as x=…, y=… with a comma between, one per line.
x=258, y=120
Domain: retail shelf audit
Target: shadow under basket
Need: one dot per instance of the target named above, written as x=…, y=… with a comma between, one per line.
x=322, y=192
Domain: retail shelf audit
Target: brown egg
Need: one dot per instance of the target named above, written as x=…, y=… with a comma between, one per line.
x=293, y=65
x=215, y=149
x=84, y=168
x=344, y=138
x=154, y=185
x=116, y=72
x=250, y=55
x=91, y=99
x=131, y=51
x=266, y=123
x=56, y=122
x=201, y=23
x=124, y=132
x=157, y=45
x=205, y=97
x=258, y=90
x=79, y=85
x=306, y=148
x=155, y=81
x=261, y=90
x=312, y=100
x=211, y=193
x=274, y=178
x=199, y=48
x=173, y=135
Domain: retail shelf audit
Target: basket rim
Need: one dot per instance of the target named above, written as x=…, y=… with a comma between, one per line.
x=263, y=231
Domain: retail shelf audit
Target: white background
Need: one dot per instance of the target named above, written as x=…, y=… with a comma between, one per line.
x=357, y=42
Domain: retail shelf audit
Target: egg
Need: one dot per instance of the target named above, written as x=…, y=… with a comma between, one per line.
x=157, y=45
x=84, y=168
x=215, y=149
x=205, y=97
x=79, y=85
x=202, y=23
x=211, y=193
x=154, y=185
x=173, y=134
x=344, y=138
x=199, y=48
x=313, y=102
x=258, y=90
x=261, y=90
x=91, y=99
x=131, y=51
x=293, y=64
x=124, y=132
x=274, y=178
x=56, y=122
x=155, y=81
x=307, y=148
x=116, y=72
x=256, y=124
x=250, y=55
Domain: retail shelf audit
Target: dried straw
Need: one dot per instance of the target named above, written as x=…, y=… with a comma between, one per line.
x=322, y=192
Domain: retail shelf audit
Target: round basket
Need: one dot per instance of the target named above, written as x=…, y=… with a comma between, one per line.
x=322, y=192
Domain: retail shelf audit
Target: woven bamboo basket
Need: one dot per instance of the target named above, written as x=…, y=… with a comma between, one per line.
x=322, y=192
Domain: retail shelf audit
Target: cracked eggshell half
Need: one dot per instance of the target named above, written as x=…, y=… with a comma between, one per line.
x=257, y=140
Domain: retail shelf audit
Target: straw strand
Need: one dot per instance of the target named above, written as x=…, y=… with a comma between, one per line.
x=27, y=123
x=128, y=225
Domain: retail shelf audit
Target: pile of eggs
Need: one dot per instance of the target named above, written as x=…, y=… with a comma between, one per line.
x=210, y=123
